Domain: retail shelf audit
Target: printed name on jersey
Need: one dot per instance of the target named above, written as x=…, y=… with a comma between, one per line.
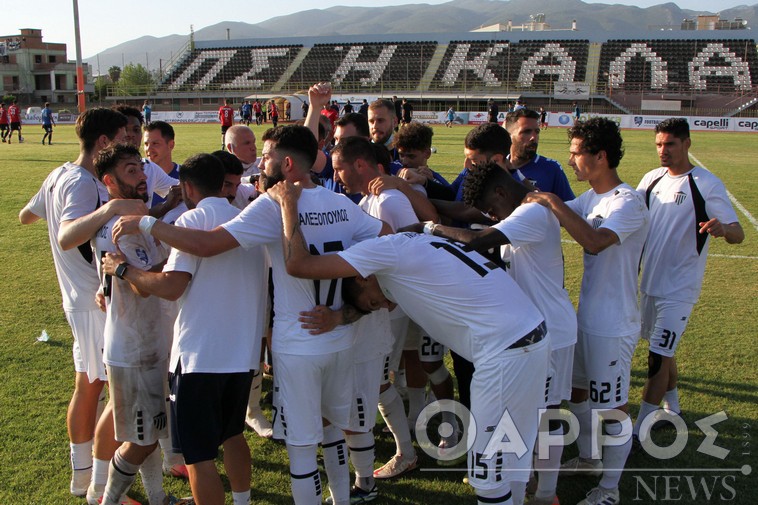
x=323, y=218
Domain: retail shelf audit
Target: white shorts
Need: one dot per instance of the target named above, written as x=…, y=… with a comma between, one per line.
x=602, y=366
x=429, y=350
x=663, y=323
x=400, y=331
x=307, y=388
x=139, y=402
x=88, y=327
x=368, y=377
x=512, y=382
x=558, y=384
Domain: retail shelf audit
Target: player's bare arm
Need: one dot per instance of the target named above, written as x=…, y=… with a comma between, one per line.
x=75, y=232
x=592, y=240
x=732, y=232
x=26, y=216
x=459, y=211
x=480, y=240
x=168, y=285
x=197, y=242
x=297, y=258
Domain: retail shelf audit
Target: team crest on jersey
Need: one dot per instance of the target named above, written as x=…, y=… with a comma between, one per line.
x=597, y=222
x=160, y=421
x=679, y=197
x=142, y=255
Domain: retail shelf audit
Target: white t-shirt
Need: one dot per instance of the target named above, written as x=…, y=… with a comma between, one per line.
x=391, y=206
x=674, y=260
x=246, y=193
x=70, y=192
x=463, y=300
x=608, y=298
x=534, y=259
x=158, y=181
x=330, y=222
x=221, y=313
x=137, y=332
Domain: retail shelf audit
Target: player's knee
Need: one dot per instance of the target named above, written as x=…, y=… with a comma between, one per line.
x=654, y=364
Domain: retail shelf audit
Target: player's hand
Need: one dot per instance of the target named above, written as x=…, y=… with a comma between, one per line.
x=320, y=320
x=537, y=197
x=126, y=225
x=383, y=183
x=127, y=207
x=713, y=226
x=174, y=197
x=412, y=176
x=111, y=261
x=320, y=94
x=100, y=300
x=285, y=191
x=425, y=171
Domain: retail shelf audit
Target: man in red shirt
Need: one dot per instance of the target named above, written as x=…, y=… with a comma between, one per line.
x=3, y=121
x=273, y=111
x=226, y=117
x=14, y=118
x=258, y=111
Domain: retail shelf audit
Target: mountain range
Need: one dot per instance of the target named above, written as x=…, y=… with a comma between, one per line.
x=453, y=16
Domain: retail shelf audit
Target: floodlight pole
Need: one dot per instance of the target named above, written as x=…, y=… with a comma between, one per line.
x=79, y=68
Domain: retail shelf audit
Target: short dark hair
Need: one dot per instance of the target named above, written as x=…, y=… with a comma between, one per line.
x=232, y=164
x=414, y=136
x=490, y=139
x=382, y=156
x=351, y=290
x=204, y=171
x=296, y=141
x=107, y=159
x=478, y=183
x=512, y=117
x=353, y=148
x=676, y=126
x=600, y=134
x=128, y=110
x=95, y=122
x=167, y=131
x=382, y=102
x=359, y=121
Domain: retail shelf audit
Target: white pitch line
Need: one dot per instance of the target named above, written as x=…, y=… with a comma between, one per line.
x=737, y=204
x=730, y=256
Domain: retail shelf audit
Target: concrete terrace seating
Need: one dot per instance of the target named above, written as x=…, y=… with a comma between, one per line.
x=497, y=65
x=230, y=68
x=364, y=66
x=679, y=65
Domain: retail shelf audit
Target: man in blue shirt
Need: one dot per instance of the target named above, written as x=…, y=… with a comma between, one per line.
x=47, y=124
x=545, y=174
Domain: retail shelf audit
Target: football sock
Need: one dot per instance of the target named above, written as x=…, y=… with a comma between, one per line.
x=614, y=456
x=583, y=415
x=500, y=496
x=304, y=476
x=361, y=450
x=121, y=475
x=241, y=498
x=334, y=449
x=416, y=403
x=547, y=469
x=645, y=410
x=393, y=412
x=671, y=401
x=151, y=472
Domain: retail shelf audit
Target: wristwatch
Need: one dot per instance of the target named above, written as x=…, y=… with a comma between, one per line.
x=121, y=270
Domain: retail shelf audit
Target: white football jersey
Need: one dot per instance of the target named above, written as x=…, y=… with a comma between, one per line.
x=158, y=181
x=330, y=222
x=534, y=259
x=463, y=300
x=608, y=298
x=391, y=206
x=673, y=263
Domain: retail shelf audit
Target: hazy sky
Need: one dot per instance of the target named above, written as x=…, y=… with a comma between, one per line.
x=104, y=25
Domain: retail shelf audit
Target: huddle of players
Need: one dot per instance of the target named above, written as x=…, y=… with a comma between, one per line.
x=610, y=221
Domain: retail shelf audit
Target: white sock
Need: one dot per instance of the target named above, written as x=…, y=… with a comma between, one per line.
x=449, y=417
x=361, y=449
x=81, y=456
x=614, y=457
x=645, y=410
x=304, y=476
x=416, y=403
x=151, y=472
x=99, y=478
x=334, y=449
x=241, y=498
x=400, y=381
x=671, y=401
x=547, y=469
x=500, y=496
x=393, y=412
x=121, y=475
x=583, y=414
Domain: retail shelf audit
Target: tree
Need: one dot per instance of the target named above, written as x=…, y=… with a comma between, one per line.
x=135, y=80
x=115, y=73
